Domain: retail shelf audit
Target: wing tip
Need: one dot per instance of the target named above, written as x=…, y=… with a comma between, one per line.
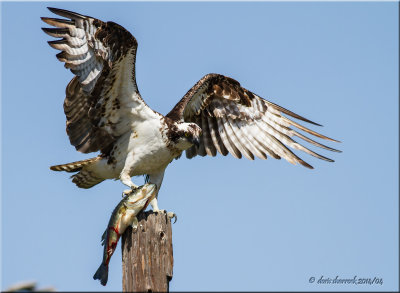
x=57, y=22
x=54, y=32
x=305, y=164
x=45, y=19
x=58, y=42
x=323, y=136
x=65, y=13
x=52, y=9
x=328, y=138
x=311, y=122
x=292, y=114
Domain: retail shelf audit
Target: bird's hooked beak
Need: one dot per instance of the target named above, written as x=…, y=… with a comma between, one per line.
x=196, y=142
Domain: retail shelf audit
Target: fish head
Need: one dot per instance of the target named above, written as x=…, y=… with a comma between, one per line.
x=141, y=197
x=148, y=189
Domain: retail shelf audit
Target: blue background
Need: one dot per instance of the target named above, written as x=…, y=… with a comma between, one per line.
x=243, y=225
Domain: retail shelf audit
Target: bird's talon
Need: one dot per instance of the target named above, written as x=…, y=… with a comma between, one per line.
x=126, y=192
x=129, y=191
x=172, y=215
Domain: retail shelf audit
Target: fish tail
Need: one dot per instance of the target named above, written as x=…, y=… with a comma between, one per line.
x=102, y=274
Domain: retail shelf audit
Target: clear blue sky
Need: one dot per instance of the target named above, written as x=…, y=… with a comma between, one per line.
x=260, y=225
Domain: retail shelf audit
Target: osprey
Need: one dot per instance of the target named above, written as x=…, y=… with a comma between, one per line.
x=105, y=112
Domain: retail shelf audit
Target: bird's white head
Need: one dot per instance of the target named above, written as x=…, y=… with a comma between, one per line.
x=186, y=135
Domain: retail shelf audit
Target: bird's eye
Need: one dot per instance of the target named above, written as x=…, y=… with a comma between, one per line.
x=187, y=134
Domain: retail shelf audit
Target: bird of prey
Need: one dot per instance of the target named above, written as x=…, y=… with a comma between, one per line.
x=105, y=112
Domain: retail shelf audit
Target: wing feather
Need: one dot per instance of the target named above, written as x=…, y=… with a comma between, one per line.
x=101, y=99
x=254, y=145
x=208, y=142
x=215, y=136
x=238, y=121
x=226, y=140
x=239, y=142
x=201, y=150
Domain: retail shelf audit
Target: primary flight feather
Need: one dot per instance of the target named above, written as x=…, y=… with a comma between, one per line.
x=105, y=112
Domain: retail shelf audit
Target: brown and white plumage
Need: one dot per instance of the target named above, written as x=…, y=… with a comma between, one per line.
x=100, y=98
x=106, y=113
x=237, y=121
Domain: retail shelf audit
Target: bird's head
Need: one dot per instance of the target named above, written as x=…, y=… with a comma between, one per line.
x=186, y=135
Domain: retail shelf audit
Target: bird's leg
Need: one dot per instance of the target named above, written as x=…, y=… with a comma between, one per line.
x=154, y=205
x=157, y=180
x=126, y=179
x=125, y=175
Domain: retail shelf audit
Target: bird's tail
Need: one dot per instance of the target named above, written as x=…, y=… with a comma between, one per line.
x=84, y=178
x=102, y=274
x=74, y=166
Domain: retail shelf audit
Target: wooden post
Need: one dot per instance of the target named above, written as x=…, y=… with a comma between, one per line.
x=147, y=258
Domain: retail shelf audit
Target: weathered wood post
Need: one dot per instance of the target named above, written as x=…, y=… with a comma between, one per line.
x=147, y=258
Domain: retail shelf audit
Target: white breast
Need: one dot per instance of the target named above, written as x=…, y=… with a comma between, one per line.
x=144, y=149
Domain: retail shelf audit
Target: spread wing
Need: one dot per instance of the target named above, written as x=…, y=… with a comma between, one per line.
x=102, y=100
x=237, y=121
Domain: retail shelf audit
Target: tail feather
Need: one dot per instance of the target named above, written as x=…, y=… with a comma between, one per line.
x=74, y=166
x=102, y=274
x=84, y=178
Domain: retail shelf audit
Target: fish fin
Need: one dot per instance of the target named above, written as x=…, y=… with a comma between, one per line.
x=102, y=274
x=135, y=224
x=103, y=237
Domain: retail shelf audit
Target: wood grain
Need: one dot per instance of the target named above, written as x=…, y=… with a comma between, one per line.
x=147, y=256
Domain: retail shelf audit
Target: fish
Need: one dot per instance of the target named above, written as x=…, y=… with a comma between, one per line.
x=123, y=216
